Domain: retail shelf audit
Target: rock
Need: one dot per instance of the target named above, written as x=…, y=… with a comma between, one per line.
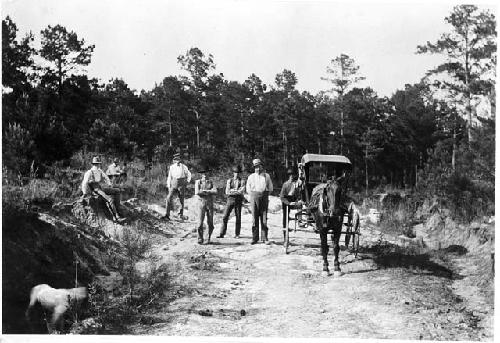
x=206, y=313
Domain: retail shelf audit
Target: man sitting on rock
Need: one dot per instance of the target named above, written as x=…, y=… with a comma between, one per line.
x=95, y=181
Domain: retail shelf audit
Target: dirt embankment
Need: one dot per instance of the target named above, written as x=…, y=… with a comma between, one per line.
x=44, y=248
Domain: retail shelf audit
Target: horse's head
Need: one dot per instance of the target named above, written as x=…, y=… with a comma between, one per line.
x=331, y=198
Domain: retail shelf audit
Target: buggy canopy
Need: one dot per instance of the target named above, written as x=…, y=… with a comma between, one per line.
x=307, y=158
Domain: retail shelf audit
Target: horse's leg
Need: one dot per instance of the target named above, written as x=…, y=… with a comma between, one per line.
x=58, y=318
x=336, y=246
x=323, y=235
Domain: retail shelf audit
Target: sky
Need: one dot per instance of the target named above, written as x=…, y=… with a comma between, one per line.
x=139, y=40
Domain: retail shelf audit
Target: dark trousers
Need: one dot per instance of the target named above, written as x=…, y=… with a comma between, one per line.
x=178, y=192
x=258, y=206
x=206, y=207
x=112, y=197
x=232, y=203
x=286, y=212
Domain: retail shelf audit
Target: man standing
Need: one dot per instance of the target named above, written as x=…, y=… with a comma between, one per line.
x=290, y=196
x=205, y=190
x=95, y=181
x=178, y=177
x=235, y=187
x=258, y=187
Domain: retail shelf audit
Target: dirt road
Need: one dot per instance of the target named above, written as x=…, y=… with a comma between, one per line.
x=232, y=288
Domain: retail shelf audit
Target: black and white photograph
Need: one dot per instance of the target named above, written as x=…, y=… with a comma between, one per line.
x=237, y=170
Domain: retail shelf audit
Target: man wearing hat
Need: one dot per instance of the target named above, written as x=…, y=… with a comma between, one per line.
x=205, y=191
x=235, y=187
x=95, y=181
x=114, y=171
x=258, y=187
x=178, y=177
x=290, y=196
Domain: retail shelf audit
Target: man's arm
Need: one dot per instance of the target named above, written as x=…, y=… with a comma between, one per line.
x=228, y=187
x=106, y=178
x=169, y=178
x=197, y=187
x=249, y=184
x=85, y=182
x=212, y=190
x=283, y=192
x=188, y=174
x=109, y=170
x=269, y=183
x=241, y=190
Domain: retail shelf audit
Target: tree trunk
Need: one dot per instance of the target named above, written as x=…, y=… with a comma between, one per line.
x=285, y=150
x=467, y=91
x=366, y=170
x=169, y=128
x=60, y=76
x=319, y=145
x=341, y=127
x=454, y=150
x=416, y=175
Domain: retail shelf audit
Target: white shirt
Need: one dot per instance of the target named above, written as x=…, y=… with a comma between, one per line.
x=259, y=183
x=178, y=171
x=94, y=174
x=114, y=169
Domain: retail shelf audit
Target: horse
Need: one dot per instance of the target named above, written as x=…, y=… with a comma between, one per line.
x=328, y=212
x=56, y=301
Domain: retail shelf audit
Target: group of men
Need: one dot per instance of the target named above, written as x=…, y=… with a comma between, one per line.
x=258, y=186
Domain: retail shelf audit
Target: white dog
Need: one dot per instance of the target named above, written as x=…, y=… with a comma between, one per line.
x=56, y=301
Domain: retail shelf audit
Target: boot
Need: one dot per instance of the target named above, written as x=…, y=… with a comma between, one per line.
x=266, y=240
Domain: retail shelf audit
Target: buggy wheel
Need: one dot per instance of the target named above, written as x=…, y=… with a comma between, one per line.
x=347, y=237
x=286, y=244
x=286, y=238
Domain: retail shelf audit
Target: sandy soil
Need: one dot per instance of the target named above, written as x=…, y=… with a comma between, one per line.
x=232, y=288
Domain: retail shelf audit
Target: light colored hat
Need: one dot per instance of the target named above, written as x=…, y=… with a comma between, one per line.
x=256, y=162
x=116, y=160
x=96, y=160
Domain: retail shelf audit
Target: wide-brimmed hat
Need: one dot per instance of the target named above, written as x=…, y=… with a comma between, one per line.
x=96, y=160
x=236, y=169
x=177, y=156
x=116, y=160
x=257, y=162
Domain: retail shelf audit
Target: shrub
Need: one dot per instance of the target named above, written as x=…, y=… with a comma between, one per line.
x=141, y=288
x=17, y=148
